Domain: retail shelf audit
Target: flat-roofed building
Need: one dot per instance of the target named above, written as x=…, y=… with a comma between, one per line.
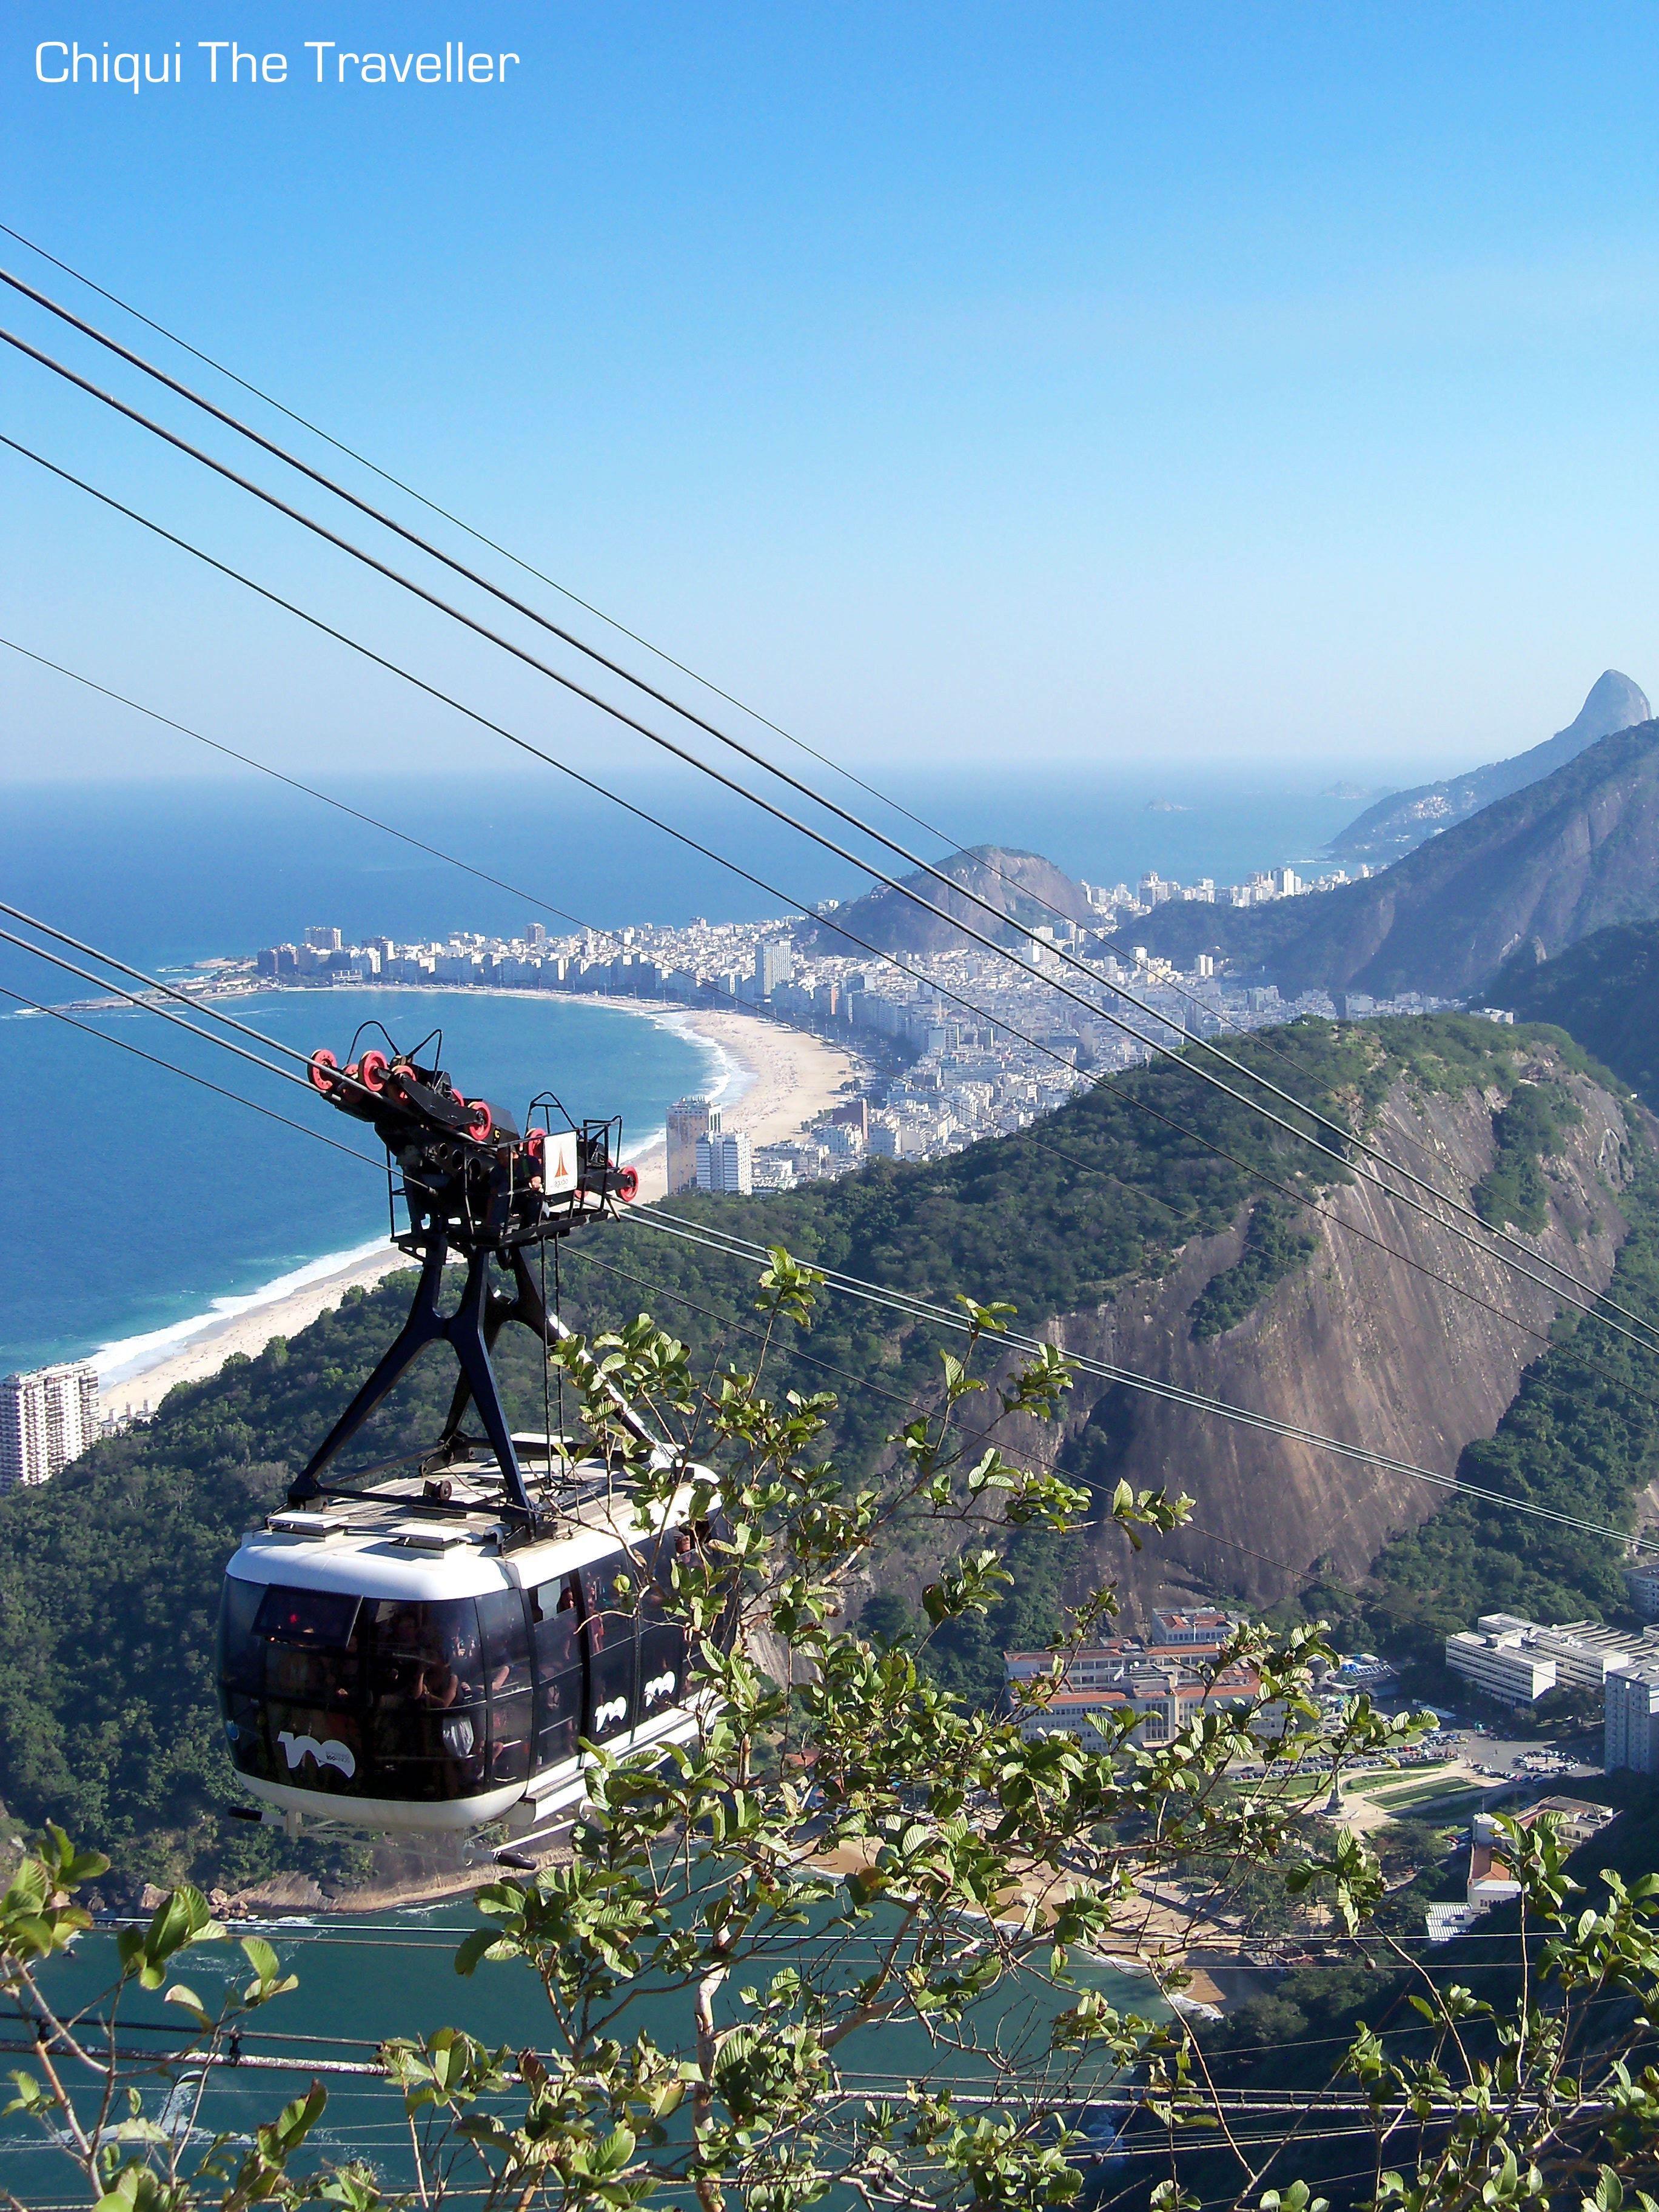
x=1630, y=1718
x=688, y=1120
x=47, y=1418
x=1643, y=1583
x=724, y=1161
x=1495, y=1656
x=1501, y=1661
x=1580, y=1817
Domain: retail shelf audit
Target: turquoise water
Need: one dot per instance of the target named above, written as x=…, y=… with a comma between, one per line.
x=131, y=1199
x=392, y=1974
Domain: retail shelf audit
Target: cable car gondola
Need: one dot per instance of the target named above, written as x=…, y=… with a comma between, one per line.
x=426, y=1653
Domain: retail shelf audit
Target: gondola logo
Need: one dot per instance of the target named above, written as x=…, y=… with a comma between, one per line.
x=608, y=1715
x=332, y=1753
x=659, y=1686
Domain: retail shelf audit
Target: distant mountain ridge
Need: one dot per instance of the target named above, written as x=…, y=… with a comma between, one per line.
x=1023, y=886
x=1404, y=819
x=1570, y=854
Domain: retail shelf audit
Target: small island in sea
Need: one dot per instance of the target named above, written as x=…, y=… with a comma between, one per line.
x=1166, y=806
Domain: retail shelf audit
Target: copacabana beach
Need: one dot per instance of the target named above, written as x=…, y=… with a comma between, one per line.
x=769, y=1081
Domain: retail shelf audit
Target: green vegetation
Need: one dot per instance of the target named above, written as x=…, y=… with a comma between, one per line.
x=779, y=1927
x=1604, y=991
x=1573, y=1440
x=109, y=1576
x=1527, y=1132
x=1408, y=1845
x=1274, y=1247
x=1427, y=1794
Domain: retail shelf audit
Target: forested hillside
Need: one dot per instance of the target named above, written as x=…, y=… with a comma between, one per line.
x=1604, y=990
x=109, y=1576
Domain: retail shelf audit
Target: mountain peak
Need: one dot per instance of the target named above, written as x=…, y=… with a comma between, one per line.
x=1614, y=703
x=1404, y=819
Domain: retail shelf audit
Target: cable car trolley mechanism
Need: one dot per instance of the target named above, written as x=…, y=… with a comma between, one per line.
x=421, y=1653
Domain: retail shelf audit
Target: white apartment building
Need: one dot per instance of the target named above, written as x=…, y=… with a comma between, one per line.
x=725, y=1162
x=1506, y=1653
x=1643, y=1582
x=1630, y=1728
x=47, y=1418
x=688, y=1118
x=1501, y=1661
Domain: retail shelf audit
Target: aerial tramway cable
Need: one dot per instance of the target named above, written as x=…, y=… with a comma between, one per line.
x=1032, y=1460
x=171, y=1067
x=612, y=621
x=919, y=1310
x=923, y=1309
x=310, y=791
x=1105, y=1084
x=292, y=461
x=1596, y=1302
x=1286, y=1190
x=1344, y=1135
x=146, y=1005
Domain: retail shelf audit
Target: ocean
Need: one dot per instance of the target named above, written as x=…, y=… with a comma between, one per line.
x=362, y=1980
x=133, y=1204
x=163, y=872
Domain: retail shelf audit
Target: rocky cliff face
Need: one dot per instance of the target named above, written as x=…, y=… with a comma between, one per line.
x=1354, y=1345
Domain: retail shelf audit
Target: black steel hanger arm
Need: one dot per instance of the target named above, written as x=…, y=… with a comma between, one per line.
x=470, y=1332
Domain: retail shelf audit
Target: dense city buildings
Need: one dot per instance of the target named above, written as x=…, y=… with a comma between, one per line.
x=953, y=1046
x=47, y=1418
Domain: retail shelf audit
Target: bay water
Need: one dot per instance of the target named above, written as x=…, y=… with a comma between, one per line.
x=361, y=1981
x=133, y=1203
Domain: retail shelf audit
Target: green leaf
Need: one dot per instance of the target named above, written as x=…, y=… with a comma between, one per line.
x=261, y=1957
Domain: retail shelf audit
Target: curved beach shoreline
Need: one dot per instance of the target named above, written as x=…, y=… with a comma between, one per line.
x=769, y=1081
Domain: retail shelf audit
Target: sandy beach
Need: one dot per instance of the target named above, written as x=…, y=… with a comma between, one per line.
x=780, y=1079
x=785, y=1079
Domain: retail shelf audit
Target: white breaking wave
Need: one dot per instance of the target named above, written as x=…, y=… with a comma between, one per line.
x=119, y=1362
x=125, y=1357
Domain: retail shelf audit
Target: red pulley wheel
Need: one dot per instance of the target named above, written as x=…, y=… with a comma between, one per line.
x=535, y=1146
x=483, y=1120
x=372, y=1071
x=628, y=1185
x=321, y=1064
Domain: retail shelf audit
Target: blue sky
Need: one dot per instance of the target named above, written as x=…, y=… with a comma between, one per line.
x=1246, y=389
